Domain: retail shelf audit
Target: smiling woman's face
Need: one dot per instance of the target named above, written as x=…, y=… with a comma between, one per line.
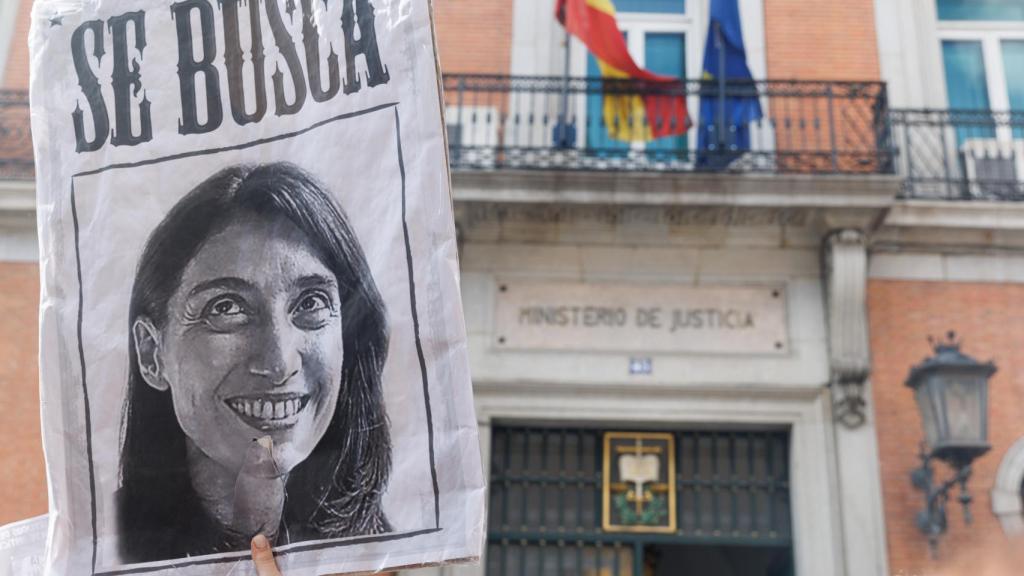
x=252, y=345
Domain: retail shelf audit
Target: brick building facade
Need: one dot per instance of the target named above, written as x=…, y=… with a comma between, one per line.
x=989, y=319
x=833, y=204
x=24, y=475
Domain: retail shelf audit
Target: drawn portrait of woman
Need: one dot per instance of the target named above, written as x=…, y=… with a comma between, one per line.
x=254, y=399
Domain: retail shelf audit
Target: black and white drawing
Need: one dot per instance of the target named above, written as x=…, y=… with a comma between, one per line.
x=254, y=392
x=250, y=312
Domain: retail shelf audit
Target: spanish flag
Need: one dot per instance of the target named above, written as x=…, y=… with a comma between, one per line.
x=659, y=109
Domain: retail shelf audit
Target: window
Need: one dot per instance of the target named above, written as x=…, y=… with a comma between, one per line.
x=663, y=53
x=966, y=86
x=1008, y=490
x=663, y=6
x=981, y=10
x=1013, y=65
x=657, y=33
x=983, y=59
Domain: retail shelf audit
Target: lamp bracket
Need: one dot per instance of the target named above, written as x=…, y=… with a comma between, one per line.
x=932, y=520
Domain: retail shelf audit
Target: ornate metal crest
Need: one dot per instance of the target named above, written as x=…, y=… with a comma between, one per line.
x=639, y=490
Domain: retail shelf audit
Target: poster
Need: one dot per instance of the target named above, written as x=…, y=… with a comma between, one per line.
x=250, y=312
x=22, y=545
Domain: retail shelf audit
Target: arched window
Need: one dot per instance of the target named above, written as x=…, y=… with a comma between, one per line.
x=1008, y=492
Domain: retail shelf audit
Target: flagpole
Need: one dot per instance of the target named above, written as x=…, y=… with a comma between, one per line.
x=563, y=129
x=720, y=45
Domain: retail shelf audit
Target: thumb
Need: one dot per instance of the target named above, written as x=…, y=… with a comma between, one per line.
x=263, y=557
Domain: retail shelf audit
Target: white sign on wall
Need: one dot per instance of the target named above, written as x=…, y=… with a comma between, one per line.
x=668, y=319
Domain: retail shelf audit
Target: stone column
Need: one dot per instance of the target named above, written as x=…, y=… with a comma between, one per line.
x=856, y=463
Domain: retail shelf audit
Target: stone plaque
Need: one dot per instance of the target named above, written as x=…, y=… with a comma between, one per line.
x=534, y=315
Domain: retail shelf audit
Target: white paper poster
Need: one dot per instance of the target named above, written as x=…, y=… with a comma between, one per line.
x=22, y=546
x=250, y=319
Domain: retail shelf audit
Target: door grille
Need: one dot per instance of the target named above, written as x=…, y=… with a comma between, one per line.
x=545, y=499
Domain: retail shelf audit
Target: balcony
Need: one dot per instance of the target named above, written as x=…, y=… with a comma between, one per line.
x=503, y=124
x=555, y=123
x=960, y=154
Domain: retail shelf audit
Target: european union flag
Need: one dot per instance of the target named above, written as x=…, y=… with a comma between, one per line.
x=725, y=114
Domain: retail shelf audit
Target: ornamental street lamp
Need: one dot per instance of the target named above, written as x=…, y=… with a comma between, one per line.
x=951, y=390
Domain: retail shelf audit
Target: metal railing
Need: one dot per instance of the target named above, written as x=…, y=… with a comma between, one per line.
x=960, y=154
x=16, y=160
x=550, y=123
x=556, y=123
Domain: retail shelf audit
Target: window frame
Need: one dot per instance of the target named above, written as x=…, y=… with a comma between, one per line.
x=991, y=40
x=990, y=34
x=636, y=26
x=1007, y=500
x=1015, y=22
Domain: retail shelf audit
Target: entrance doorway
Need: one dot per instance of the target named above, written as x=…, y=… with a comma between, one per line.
x=698, y=560
x=732, y=507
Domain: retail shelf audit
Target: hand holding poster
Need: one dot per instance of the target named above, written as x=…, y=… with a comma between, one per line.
x=251, y=319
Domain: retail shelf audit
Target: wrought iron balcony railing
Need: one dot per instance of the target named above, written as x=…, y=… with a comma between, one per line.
x=548, y=123
x=15, y=136
x=960, y=154
x=554, y=123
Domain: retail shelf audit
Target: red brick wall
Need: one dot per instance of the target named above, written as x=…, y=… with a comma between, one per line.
x=22, y=475
x=474, y=35
x=807, y=39
x=14, y=120
x=990, y=320
x=16, y=71
x=821, y=40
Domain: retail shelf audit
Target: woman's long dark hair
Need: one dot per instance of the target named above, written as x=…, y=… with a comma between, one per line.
x=336, y=491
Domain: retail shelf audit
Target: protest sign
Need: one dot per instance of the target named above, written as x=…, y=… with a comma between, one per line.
x=22, y=545
x=250, y=311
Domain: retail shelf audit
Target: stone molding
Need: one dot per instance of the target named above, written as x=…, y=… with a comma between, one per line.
x=18, y=241
x=815, y=517
x=17, y=196
x=476, y=213
x=1007, y=500
x=977, y=215
x=868, y=191
x=846, y=272
x=924, y=266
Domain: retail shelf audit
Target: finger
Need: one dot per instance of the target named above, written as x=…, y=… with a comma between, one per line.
x=263, y=557
x=259, y=490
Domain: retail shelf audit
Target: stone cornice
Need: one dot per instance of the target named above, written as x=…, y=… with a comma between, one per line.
x=952, y=227
x=686, y=189
x=959, y=215
x=17, y=196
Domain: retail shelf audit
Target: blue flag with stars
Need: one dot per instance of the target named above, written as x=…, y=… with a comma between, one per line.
x=724, y=131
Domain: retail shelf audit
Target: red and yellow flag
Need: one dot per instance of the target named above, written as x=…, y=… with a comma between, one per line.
x=630, y=117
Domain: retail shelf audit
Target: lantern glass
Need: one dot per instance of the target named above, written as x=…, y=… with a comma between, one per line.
x=964, y=396
x=928, y=406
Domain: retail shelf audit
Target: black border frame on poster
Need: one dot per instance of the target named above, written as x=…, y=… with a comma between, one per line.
x=316, y=544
